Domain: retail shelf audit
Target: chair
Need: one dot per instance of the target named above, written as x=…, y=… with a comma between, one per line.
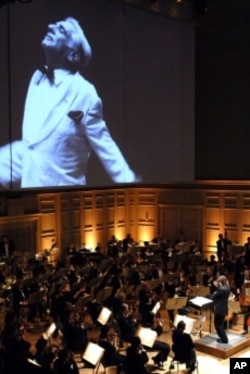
x=182, y=357
x=176, y=361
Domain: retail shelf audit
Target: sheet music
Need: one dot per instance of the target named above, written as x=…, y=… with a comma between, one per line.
x=147, y=336
x=93, y=353
x=104, y=316
x=200, y=301
x=48, y=333
x=156, y=308
x=189, y=322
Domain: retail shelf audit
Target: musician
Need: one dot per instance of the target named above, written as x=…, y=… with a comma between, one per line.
x=116, y=281
x=220, y=298
x=136, y=357
x=65, y=363
x=183, y=346
x=22, y=269
x=94, y=271
x=111, y=356
x=240, y=267
x=74, y=332
x=45, y=354
x=7, y=246
x=209, y=279
x=196, y=248
x=115, y=302
x=59, y=297
x=157, y=273
x=113, y=249
x=222, y=247
x=39, y=286
x=20, y=296
x=147, y=301
x=74, y=275
x=128, y=325
x=169, y=251
x=127, y=242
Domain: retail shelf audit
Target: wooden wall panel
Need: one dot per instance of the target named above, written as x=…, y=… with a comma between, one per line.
x=201, y=210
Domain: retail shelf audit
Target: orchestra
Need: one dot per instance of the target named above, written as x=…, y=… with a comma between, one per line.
x=135, y=284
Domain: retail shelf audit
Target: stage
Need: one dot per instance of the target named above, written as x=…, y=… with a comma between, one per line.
x=209, y=345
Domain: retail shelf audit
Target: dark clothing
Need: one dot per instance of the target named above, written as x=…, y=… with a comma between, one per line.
x=220, y=298
x=111, y=357
x=65, y=367
x=19, y=295
x=183, y=348
x=127, y=327
x=135, y=361
x=222, y=248
x=75, y=336
x=11, y=248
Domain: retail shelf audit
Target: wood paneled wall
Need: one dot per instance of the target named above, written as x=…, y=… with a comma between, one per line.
x=199, y=210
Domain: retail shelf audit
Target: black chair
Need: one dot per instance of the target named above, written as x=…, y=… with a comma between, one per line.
x=177, y=361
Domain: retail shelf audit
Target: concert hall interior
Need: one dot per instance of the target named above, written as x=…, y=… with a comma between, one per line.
x=136, y=241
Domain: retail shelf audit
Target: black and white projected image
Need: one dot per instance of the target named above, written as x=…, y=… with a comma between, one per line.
x=87, y=107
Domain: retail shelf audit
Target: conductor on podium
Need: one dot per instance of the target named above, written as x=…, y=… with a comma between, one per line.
x=220, y=298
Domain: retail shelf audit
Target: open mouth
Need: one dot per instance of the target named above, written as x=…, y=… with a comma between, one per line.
x=49, y=37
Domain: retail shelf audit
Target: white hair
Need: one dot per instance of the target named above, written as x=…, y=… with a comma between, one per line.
x=80, y=42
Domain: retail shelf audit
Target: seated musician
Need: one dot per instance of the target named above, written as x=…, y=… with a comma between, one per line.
x=157, y=273
x=39, y=287
x=128, y=326
x=59, y=297
x=147, y=300
x=65, y=363
x=45, y=354
x=111, y=356
x=136, y=357
x=183, y=347
x=20, y=296
x=75, y=334
x=209, y=278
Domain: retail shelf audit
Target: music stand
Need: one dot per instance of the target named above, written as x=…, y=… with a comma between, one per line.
x=201, y=302
x=175, y=303
x=104, y=316
x=93, y=355
x=199, y=291
x=189, y=322
x=147, y=336
x=153, y=283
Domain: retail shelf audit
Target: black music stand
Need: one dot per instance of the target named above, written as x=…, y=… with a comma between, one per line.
x=201, y=302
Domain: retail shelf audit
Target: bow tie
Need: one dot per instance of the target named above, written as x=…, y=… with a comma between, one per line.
x=48, y=72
